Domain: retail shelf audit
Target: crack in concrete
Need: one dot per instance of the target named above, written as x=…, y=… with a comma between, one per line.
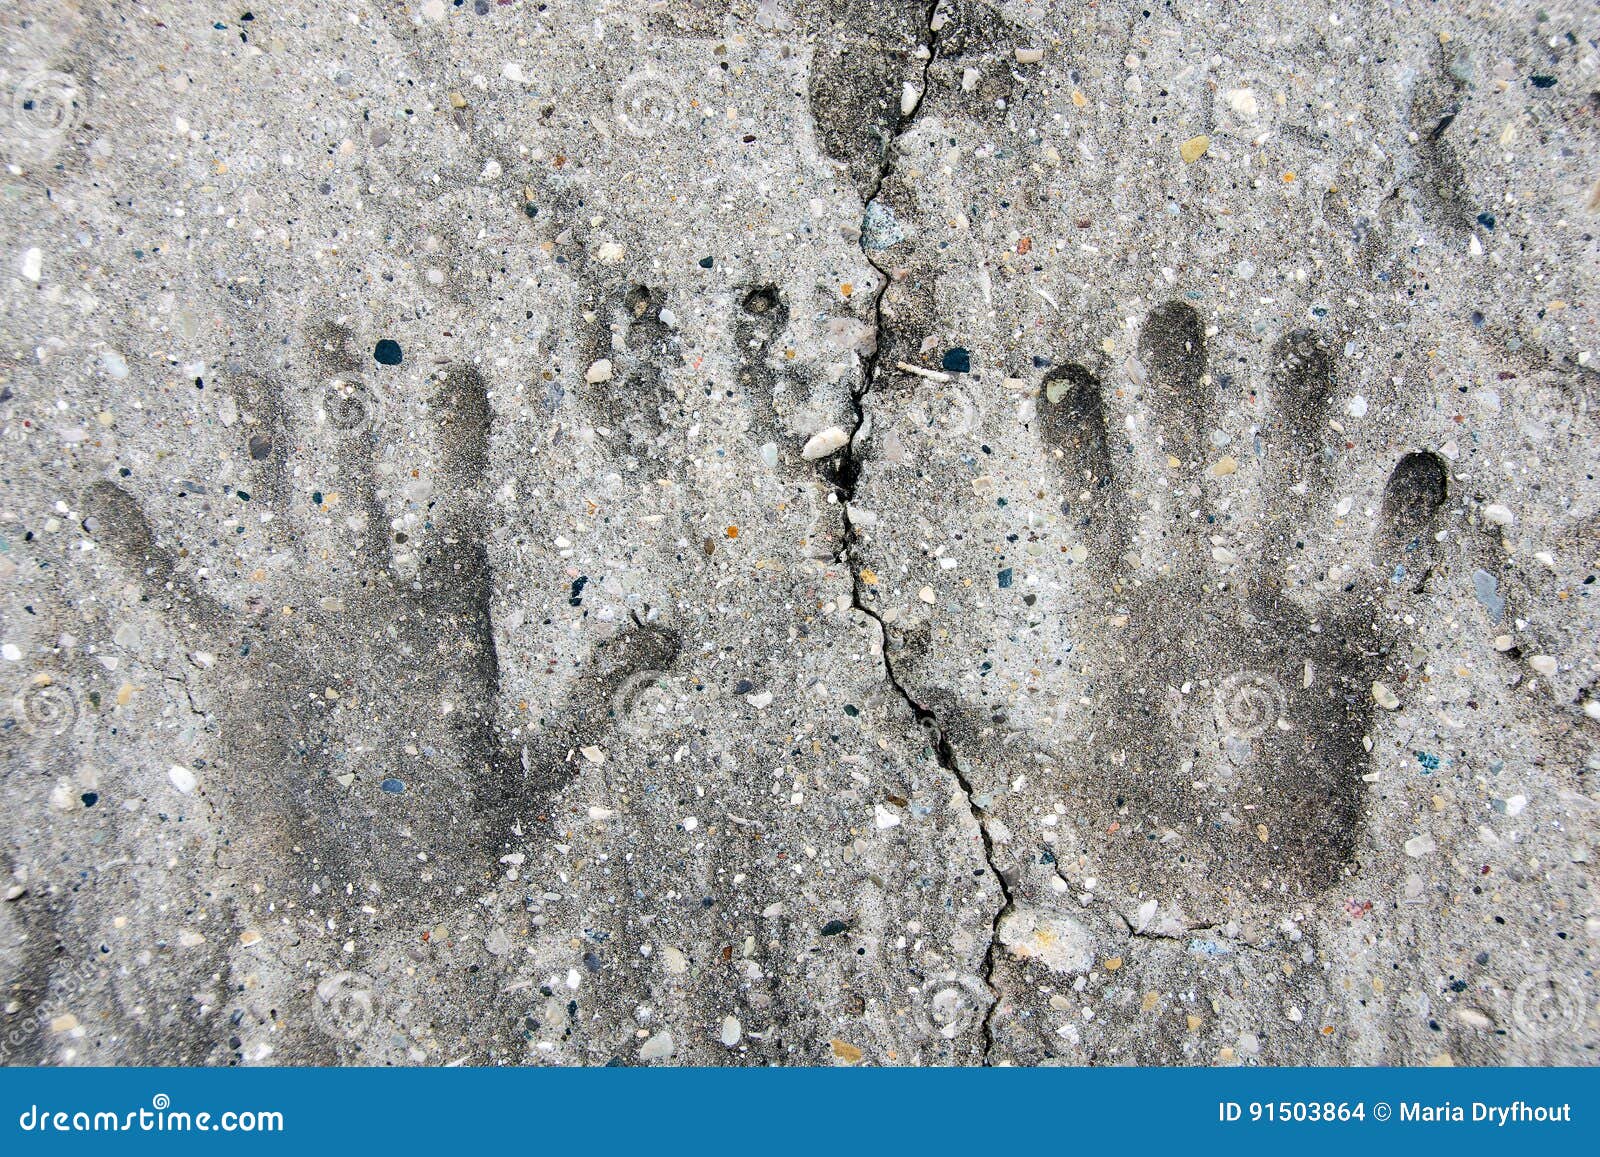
x=845, y=477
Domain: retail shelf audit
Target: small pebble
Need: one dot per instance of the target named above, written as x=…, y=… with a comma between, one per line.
x=823, y=443
x=845, y=1051
x=1487, y=588
x=1419, y=846
x=657, y=1048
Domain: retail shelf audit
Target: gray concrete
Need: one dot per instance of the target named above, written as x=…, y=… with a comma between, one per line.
x=799, y=532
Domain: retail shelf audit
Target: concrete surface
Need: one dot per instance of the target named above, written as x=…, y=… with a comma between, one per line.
x=799, y=532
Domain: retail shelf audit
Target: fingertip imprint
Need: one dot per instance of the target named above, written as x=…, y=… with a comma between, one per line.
x=113, y=517
x=333, y=347
x=465, y=417
x=1072, y=418
x=1172, y=346
x=1417, y=488
x=1173, y=343
x=1303, y=377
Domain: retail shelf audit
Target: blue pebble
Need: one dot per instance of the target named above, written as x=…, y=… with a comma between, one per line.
x=1487, y=588
x=956, y=360
x=387, y=352
x=393, y=786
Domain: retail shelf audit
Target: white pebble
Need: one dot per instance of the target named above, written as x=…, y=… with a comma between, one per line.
x=1544, y=664
x=599, y=372
x=1498, y=515
x=657, y=1048
x=32, y=263
x=1243, y=102
x=182, y=778
x=1384, y=697
x=823, y=443
x=1419, y=846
